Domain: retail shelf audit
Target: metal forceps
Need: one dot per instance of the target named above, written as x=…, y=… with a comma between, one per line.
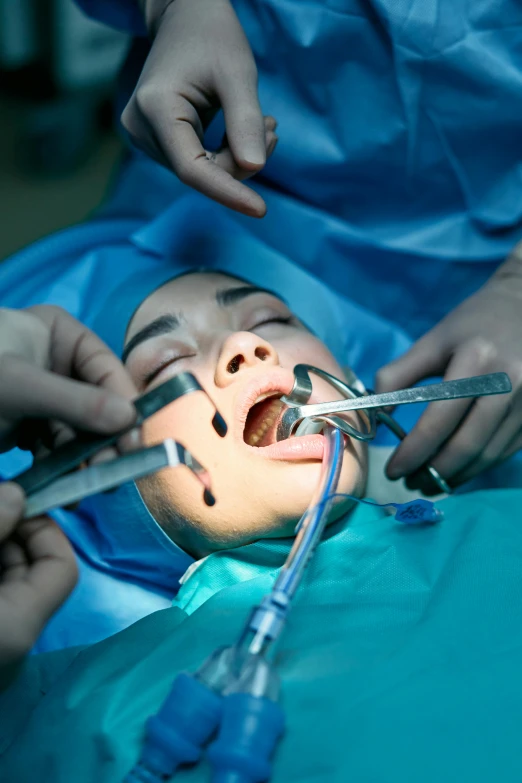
x=368, y=405
x=47, y=484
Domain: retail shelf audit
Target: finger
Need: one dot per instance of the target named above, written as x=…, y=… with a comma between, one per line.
x=79, y=353
x=438, y=422
x=130, y=441
x=422, y=481
x=13, y=562
x=226, y=161
x=474, y=435
x=427, y=357
x=52, y=572
x=12, y=502
x=243, y=118
x=177, y=137
x=27, y=391
x=502, y=445
x=105, y=455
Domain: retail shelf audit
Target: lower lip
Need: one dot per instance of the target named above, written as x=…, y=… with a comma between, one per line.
x=294, y=449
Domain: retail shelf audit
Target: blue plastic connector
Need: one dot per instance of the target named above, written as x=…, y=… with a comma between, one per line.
x=250, y=729
x=177, y=733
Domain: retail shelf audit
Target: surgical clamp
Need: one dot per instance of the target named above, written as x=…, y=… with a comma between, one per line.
x=358, y=399
x=47, y=485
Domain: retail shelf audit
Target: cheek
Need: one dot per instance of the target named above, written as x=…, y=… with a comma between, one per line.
x=238, y=485
x=187, y=421
x=306, y=349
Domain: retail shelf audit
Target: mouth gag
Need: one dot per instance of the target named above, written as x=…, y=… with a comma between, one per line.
x=47, y=484
x=301, y=418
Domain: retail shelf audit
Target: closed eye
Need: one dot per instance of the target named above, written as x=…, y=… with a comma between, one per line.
x=276, y=320
x=163, y=366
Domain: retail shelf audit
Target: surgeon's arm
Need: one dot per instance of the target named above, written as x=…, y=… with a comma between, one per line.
x=482, y=335
x=51, y=368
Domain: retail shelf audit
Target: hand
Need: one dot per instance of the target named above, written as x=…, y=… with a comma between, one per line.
x=54, y=368
x=37, y=572
x=51, y=367
x=482, y=335
x=200, y=60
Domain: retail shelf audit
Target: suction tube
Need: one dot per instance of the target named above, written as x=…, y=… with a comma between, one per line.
x=267, y=620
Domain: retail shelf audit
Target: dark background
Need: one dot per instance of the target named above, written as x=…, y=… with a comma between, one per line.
x=58, y=143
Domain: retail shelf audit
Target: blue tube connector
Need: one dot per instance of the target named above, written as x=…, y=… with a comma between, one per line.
x=250, y=729
x=177, y=733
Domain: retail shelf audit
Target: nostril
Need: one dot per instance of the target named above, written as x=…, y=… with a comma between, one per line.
x=235, y=363
x=261, y=353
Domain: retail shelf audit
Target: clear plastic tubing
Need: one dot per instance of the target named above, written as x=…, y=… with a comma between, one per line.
x=312, y=523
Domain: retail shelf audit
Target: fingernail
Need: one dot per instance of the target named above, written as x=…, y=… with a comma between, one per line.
x=394, y=471
x=133, y=439
x=11, y=497
x=255, y=156
x=118, y=413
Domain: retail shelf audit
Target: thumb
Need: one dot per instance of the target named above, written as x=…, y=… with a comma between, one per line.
x=244, y=122
x=428, y=356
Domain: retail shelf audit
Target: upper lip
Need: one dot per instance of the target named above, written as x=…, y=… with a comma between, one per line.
x=275, y=383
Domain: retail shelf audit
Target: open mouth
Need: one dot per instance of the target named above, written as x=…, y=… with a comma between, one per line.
x=259, y=412
x=262, y=420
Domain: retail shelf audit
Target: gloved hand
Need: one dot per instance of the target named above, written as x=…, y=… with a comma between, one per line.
x=50, y=366
x=54, y=368
x=483, y=335
x=37, y=572
x=201, y=61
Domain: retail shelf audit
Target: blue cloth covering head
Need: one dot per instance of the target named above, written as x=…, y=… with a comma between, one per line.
x=101, y=272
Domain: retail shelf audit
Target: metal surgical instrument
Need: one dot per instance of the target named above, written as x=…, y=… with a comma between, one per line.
x=367, y=405
x=108, y=475
x=48, y=472
x=479, y=386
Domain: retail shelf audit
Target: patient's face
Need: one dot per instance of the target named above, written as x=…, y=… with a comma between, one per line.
x=242, y=345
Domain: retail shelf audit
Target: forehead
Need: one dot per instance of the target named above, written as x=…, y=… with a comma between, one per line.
x=183, y=293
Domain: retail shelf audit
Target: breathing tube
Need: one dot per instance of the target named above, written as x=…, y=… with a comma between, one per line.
x=234, y=697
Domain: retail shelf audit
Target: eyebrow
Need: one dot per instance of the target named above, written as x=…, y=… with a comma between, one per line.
x=225, y=297
x=161, y=325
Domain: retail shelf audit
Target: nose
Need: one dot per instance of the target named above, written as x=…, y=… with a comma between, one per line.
x=242, y=351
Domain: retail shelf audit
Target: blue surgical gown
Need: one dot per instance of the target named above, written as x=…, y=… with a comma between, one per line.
x=396, y=180
x=398, y=173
